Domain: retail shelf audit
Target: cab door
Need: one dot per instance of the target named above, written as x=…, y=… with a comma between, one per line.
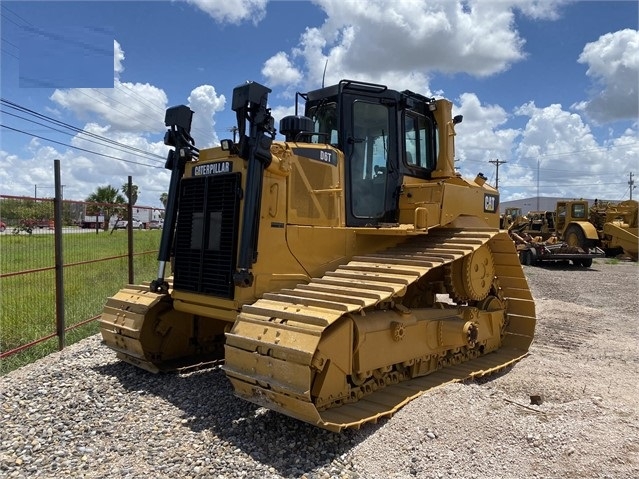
x=371, y=154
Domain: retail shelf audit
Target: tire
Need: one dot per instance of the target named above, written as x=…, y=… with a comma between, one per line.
x=575, y=236
x=527, y=258
x=586, y=263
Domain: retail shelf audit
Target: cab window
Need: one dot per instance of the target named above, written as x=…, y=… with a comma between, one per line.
x=579, y=211
x=418, y=142
x=368, y=163
x=324, y=117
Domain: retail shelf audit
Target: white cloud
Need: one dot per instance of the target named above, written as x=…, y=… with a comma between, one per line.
x=613, y=63
x=557, y=143
x=127, y=106
x=553, y=130
x=540, y=9
x=118, y=58
x=480, y=129
x=83, y=172
x=233, y=11
x=280, y=71
x=204, y=101
x=570, y=160
x=406, y=40
x=481, y=136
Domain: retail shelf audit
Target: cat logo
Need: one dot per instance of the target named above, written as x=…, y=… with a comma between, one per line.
x=491, y=202
x=213, y=168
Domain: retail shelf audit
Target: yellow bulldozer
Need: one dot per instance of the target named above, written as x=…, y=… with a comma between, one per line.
x=339, y=272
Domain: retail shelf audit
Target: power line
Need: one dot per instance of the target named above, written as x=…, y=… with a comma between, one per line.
x=10, y=43
x=85, y=139
x=497, y=162
x=15, y=14
x=157, y=107
x=10, y=54
x=77, y=147
x=76, y=129
x=567, y=153
x=30, y=27
x=562, y=184
x=81, y=90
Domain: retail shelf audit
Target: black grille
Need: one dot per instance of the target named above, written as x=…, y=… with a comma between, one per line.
x=206, y=234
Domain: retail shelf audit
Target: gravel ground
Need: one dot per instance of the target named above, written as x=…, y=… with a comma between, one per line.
x=82, y=413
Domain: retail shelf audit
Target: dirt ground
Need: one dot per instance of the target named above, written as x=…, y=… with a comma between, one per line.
x=584, y=363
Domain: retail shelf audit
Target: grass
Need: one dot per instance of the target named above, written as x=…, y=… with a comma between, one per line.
x=27, y=301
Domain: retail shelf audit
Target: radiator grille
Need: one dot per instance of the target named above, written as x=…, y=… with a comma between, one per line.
x=206, y=234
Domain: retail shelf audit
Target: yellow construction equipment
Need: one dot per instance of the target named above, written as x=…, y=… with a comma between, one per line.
x=616, y=225
x=608, y=226
x=339, y=272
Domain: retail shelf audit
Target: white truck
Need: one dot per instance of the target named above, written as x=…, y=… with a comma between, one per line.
x=145, y=216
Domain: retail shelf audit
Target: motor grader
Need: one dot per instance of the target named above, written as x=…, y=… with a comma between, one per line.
x=339, y=272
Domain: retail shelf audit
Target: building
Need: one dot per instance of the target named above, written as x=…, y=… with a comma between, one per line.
x=540, y=203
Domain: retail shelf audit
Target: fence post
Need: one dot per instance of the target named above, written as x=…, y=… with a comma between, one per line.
x=130, y=230
x=59, y=263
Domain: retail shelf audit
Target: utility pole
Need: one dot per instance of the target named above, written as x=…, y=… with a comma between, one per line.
x=538, y=161
x=631, y=183
x=497, y=162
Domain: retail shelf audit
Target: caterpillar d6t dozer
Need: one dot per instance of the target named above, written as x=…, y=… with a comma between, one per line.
x=338, y=273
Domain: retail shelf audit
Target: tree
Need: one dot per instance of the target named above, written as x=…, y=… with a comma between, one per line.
x=15, y=210
x=164, y=198
x=109, y=199
x=133, y=196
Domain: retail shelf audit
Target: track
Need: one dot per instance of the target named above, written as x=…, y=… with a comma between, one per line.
x=281, y=345
x=144, y=330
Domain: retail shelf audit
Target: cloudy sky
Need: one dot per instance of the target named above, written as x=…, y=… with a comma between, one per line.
x=548, y=86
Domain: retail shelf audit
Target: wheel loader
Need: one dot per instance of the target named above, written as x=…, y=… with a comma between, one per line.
x=338, y=272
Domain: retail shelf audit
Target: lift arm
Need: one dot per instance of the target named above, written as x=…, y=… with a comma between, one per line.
x=178, y=119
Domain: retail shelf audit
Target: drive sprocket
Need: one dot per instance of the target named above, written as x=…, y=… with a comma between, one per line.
x=471, y=277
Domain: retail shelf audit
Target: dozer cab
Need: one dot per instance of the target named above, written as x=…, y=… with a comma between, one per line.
x=510, y=217
x=339, y=272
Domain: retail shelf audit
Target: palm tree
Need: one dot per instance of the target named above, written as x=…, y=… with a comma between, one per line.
x=108, y=197
x=164, y=198
x=133, y=197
